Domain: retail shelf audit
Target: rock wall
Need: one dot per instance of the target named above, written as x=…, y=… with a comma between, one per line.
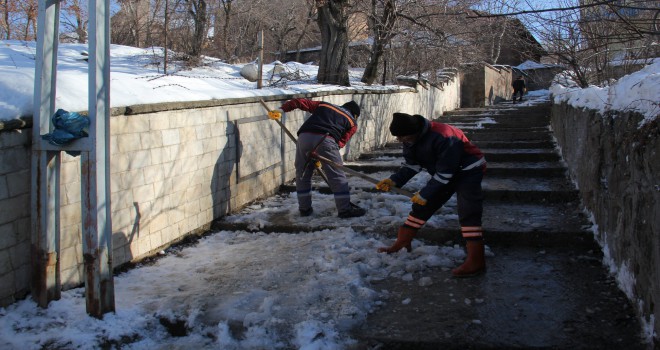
x=615, y=162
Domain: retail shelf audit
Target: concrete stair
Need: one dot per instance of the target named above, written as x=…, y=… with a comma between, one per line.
x=546, y=286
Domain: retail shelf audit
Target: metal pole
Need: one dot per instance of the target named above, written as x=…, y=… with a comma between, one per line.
x=95, y=163
x=45, y=164
x=260, y=41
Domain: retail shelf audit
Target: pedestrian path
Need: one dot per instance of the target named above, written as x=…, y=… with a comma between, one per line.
x=546, y=286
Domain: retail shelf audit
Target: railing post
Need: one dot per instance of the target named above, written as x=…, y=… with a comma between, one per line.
x=45, y=164
x=95, y=163
x=95, y=166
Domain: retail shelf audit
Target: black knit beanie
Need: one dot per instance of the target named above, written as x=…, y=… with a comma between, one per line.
x=405, y=124
x=353, y=107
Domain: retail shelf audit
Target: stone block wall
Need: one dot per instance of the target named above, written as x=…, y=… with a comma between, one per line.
x=485, y=85
x=14, y=214
x=615, y=162
x=176, y=167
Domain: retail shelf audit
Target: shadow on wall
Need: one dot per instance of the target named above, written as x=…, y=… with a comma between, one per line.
x=381, y=119
x=222, y=171
x=121, y=242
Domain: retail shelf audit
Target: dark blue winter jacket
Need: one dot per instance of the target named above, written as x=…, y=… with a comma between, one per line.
x=326, y=118
x=444, y=151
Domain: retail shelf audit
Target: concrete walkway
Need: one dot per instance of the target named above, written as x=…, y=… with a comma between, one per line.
x=546, y=286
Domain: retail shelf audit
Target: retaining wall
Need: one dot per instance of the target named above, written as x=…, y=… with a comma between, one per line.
x=486, y=85
x=615, y=163
x=176, y=167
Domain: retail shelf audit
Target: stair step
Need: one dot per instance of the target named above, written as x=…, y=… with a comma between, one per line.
x=518, y=144
x=506, y=168
x=477, y=135
x=530, y=298
x=494, y=155
x=520, y=189
x=504, y=223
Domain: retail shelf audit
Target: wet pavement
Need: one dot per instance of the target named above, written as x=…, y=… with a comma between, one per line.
x=546, y=286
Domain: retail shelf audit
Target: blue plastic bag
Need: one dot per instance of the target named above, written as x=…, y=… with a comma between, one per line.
x=69, y=126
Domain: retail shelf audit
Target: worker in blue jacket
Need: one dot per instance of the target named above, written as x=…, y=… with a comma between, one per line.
x=456, y=166
x=328, y=129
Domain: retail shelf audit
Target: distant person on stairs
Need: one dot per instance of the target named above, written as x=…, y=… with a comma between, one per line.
x=456, y=166
x=329, y=127
x=519, y=88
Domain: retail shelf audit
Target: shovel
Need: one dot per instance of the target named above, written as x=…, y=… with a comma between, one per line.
x=293, y=138
x=357, y=173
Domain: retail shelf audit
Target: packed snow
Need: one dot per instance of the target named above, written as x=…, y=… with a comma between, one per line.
x=241, y=290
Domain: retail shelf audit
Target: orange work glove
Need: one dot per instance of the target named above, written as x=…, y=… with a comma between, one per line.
x=418, y=199
x=275, y=114
x=385, y=185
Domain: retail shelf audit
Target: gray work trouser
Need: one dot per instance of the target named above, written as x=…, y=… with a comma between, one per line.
x=338, y=183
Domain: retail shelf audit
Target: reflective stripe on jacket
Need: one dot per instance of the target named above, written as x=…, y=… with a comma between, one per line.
x=444, y=151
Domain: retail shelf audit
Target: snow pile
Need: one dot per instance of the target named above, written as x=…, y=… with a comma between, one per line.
x=637, y=92
x=234, y=290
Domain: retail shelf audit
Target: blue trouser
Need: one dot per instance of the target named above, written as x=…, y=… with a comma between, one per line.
x=338, y=183
x=469, y=197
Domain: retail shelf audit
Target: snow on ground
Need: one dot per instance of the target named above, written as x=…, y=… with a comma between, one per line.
x=238, y=290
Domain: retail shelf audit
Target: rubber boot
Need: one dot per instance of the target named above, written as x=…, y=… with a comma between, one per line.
x=475, y=263
x=403, y=239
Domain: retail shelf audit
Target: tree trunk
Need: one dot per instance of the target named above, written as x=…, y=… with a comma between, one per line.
x=198, y=13
x=6, y=19
x=382, y=30
x=371, y=70
x=333, y=23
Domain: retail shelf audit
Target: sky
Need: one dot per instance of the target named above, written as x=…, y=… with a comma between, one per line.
x=267, y=284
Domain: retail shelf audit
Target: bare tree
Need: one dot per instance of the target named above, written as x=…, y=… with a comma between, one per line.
x=587, y=37
x=333, y=24
x=75, y=19
x=417, y=37
x=131, y=24
x=286, y=23
x=9, y=11
x=224, y=16
x=197, y=10
x=29, y=9
x=304, y=32
x=382, y=19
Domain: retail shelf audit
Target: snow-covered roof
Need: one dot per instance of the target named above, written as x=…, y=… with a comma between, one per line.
x=529, y=64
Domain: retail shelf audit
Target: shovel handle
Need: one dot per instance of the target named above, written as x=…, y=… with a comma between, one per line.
x=291, y=136
x=358, y=174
